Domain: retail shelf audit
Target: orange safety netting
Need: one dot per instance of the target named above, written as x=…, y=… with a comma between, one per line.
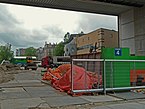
x=57, y=73
x=61, y=78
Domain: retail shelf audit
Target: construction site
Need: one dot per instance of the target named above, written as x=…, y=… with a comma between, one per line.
x=89, y=81
x=107, y=71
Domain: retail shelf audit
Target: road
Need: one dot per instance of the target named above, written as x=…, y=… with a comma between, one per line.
x=27, y=91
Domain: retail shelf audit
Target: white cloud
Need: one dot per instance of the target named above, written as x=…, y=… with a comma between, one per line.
x=34, y=18
x=25, y=26
x=90, y=22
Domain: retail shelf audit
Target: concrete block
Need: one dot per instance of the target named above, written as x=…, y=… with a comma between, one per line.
x=13, y=95
x=21, y=103
x=128, y=95
x=127, y=106
x=100, y=107
x=64, y=101
x=17, y=89
x=99, y=98
x=42, y=91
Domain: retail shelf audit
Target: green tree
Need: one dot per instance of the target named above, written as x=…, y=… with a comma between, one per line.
x=31, y=51
x=5, y=53
x=59, y=49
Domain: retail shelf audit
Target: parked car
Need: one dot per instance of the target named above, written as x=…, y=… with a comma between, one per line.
x=31, y=65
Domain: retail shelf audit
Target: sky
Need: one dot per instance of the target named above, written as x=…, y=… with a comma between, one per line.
x=25, y=26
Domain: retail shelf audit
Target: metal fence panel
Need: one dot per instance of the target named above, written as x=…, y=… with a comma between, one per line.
x=110, y=74
x=125, y=74
x=91, y=78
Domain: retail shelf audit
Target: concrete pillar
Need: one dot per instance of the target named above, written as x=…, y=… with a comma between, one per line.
x=126, y=30
x=132, y=30
x=139, y=22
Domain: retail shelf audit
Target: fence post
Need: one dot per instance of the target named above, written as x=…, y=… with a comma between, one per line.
x=111, y=75
x=104, y=80
x=72, y=75
x=134, y=72
x=86, y=67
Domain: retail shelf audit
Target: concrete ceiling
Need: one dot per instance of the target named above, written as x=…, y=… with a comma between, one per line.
x=110, y=7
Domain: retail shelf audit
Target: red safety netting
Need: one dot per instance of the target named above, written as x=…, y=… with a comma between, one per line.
x=61, y=78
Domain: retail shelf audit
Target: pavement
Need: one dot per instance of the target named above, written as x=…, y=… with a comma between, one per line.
x=27, y=91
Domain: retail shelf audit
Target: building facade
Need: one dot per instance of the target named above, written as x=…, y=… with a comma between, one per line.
x=47, y=50
x=20, y=52
x=39, y=53
x=70, y=48
x=94, y=41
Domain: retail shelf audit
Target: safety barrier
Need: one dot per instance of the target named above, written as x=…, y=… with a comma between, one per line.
x=90, y=77
x=109, y=75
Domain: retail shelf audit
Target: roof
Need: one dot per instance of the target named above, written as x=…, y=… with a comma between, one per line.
x=110, y=7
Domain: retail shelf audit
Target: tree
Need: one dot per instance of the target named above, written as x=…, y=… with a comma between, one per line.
x=59, y=49
x=5, y=53
x=31, y=51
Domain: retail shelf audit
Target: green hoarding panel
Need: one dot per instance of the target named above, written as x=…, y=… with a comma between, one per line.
x=137, y=65
x=110, y=53
x=117, y=73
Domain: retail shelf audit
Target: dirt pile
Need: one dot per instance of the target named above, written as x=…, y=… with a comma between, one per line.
x=12, y=69
x=7, y=71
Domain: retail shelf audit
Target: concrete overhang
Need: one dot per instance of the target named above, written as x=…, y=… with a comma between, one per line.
x=109, y=7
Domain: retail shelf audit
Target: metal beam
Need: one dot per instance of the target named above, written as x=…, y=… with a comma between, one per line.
x=133, y=3
x=74, y=5
x=110, y=7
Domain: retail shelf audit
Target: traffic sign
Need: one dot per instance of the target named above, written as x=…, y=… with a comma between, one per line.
x=118, y=52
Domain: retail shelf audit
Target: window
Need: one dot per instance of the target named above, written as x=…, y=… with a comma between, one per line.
x=102, y=33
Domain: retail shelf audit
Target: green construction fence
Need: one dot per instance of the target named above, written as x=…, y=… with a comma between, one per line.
x=118, y=73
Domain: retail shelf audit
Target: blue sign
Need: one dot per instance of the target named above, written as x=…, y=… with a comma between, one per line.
x=118, y=52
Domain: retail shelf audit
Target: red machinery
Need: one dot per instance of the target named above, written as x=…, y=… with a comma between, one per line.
x=46, y=61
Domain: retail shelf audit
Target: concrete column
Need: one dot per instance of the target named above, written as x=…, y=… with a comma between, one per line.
x=132, y=30
x=126, y=30
x=139, y=22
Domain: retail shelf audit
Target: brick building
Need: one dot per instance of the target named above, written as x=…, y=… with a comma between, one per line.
x=47, y=50
x=20, y=52
x=93, y=41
